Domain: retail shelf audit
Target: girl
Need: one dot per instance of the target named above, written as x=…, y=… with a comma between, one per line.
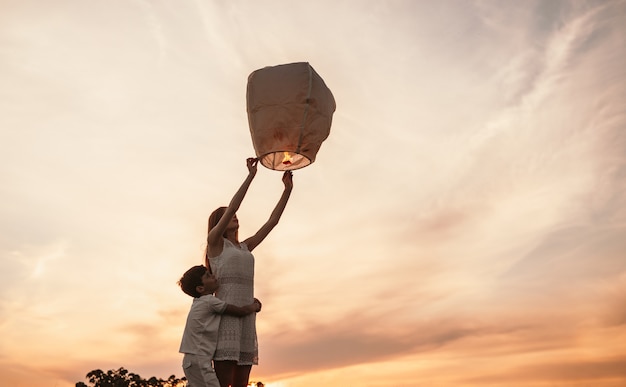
x=233, y=264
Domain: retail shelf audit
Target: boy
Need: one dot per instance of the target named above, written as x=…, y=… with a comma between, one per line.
x=200, y=335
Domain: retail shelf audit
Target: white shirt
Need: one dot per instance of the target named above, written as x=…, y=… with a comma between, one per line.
x=200, y=335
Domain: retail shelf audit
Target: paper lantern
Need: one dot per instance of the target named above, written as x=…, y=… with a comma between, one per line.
x=290, y=111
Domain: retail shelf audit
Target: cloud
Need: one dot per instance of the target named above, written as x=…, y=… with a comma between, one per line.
x=352, y=341
x=520, y=342
x=463, y=223
x=363, y=339
x=155, y=27
x=608, y=371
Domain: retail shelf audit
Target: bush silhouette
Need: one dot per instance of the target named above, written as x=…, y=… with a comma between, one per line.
x=122, y=378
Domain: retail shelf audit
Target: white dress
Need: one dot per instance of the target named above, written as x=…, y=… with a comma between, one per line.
x=234, y=269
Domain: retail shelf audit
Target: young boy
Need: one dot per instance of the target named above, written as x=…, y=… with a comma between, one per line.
x=200, y=335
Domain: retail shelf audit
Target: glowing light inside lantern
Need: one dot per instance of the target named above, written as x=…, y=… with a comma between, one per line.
x=287, y=159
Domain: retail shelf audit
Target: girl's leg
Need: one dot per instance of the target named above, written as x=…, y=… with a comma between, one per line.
x=242, y=374
x=225, y=371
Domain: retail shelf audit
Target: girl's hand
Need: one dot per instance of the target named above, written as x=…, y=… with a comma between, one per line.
x=252, y=162
x=288, y=179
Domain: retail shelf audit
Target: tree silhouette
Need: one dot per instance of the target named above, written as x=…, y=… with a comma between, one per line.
x=122, y=378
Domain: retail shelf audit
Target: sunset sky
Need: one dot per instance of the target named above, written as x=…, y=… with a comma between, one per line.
x=464, y=223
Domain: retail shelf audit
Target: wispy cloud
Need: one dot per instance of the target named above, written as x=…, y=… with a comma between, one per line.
x=463, y=224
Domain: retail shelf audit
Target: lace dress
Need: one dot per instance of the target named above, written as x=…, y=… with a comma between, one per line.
x=236, y=338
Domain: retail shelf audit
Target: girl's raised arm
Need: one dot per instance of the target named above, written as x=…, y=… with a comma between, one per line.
x=264, y=231
x=214, y=239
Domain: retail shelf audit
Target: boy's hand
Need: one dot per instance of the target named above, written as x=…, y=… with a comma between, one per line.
x=258, y=304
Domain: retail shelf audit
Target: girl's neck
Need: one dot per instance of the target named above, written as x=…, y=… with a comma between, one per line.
x=233, y=237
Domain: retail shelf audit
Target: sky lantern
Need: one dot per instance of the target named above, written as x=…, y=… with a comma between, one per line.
x=290, y=110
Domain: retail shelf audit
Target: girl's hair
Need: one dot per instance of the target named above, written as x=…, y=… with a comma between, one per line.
x=192, y=279
x=214, y=219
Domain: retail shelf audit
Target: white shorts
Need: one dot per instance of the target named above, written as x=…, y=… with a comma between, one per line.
x=199, y=371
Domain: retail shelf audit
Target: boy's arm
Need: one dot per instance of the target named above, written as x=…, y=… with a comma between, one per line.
x=241, y=311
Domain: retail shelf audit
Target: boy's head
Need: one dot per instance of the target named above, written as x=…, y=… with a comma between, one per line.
x=198, y=281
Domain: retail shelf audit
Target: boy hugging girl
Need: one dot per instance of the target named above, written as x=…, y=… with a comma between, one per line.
x=200, y=335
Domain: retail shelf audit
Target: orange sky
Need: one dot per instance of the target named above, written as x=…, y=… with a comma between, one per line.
x=463, y=225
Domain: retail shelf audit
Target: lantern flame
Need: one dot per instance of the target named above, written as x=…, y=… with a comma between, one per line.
x=287, y=159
